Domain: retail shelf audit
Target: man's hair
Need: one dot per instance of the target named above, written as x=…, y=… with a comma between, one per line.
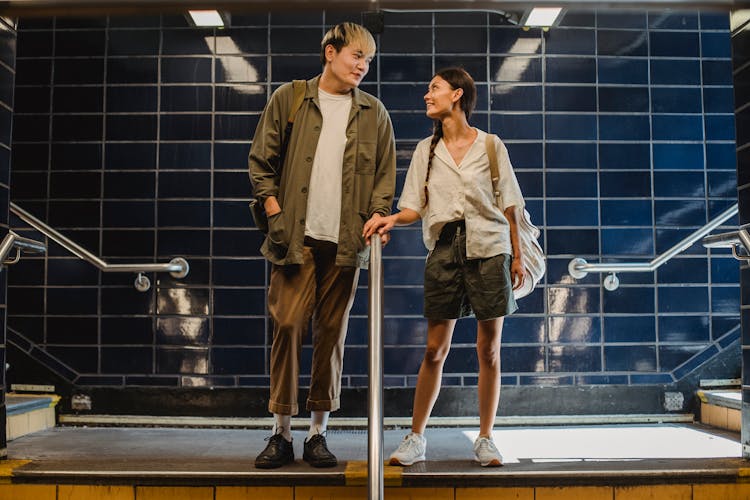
x=345, y=34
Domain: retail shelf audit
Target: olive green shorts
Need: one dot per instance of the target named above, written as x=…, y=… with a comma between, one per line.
x=456, y=287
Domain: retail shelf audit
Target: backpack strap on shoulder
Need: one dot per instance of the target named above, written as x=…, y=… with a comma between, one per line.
x=492, y=156
x=300, y=87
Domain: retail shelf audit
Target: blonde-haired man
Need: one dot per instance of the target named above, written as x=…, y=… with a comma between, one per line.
x=339, y=169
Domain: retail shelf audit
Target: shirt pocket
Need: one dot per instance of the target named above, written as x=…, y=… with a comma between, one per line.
x=365, y=158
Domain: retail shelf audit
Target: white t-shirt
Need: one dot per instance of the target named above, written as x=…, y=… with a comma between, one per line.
x=324, y=193
x=463, y=191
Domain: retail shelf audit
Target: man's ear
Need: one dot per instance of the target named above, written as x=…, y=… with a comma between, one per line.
x=330, y=51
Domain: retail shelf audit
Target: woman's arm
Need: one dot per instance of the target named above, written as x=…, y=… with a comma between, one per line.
x=382, y=225
x=517, y=267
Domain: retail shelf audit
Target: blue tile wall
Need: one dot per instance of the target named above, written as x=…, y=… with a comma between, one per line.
x=131, y=136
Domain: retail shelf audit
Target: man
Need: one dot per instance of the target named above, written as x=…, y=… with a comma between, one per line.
x=339, y=169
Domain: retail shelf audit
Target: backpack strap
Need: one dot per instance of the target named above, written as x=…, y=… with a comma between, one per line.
x=300, y=87
x=492, y=156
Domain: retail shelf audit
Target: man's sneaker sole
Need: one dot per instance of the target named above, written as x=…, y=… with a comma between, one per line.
x=396, y=461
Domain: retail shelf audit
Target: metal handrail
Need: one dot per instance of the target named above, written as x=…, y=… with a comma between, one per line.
x=13, y=241
x=731, y=240
x=578, y=267
x=375, y=370
x=177, y=267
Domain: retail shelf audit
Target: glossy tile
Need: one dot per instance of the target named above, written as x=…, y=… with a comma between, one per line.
x=626, y=212
x=184, y=70
x=621, y=70
x=678, y=156
x=671, y=44
x=516, y=98
x=568, y=98
x=59, y=328
x=181, y=127
x=572, y=213
x=630, y=358
x=406, y=40
x=184, y=156
x=574, y=329
x=460, y=40
x=717, y=72
x=127, y=359
x=187, y=42
x=675, y=72
x=629, y=329
x=667, y=20
x=511, y=41
x=575, y=127
x=570, y=41
x=621, y=43
x=131, y=127
x=133, y=42
x=684, y=185
x=129, y=156
x=239, y=69
x=242, y=41
x=193, y=98
x=133, y=70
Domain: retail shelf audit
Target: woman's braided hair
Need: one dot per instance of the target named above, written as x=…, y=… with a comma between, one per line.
x=456, y=78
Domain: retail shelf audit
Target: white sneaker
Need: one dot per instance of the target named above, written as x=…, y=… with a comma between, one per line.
x=410, y=451
x=485, y=452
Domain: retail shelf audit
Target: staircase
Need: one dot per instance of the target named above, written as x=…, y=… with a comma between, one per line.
x=27, y=413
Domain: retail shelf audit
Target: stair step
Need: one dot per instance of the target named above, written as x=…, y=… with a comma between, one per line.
x=721, y=408
x=27, y=413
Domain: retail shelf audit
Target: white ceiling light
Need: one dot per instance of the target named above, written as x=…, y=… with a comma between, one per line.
x=541, y=16
x=206, y=18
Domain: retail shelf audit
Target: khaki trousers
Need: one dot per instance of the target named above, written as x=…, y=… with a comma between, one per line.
x=323, y=291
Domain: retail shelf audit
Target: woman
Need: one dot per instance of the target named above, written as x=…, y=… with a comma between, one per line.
x=475, y=258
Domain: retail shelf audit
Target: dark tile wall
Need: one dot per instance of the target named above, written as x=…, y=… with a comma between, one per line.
x=7, y=75
x=741, y=64
x=131, y=137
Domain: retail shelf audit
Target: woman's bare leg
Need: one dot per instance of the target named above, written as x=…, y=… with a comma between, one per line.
x=439, y=335
x=488, y=353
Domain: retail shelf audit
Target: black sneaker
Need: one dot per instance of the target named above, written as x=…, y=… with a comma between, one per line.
x=316, y=452
x=278, y=452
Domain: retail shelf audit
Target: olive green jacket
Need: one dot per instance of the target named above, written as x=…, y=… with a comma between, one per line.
x=368, y=176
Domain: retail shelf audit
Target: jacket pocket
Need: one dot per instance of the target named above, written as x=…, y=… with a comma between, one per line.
x=365, y=158
x=277, y=230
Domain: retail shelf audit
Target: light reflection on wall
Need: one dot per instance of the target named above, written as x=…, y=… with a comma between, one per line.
x=236, y=68
x=513, y=68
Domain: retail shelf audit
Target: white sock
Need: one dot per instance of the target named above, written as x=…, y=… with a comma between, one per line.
x=282, y=424
x=318, y=422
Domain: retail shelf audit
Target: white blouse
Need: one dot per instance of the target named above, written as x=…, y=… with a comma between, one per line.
x=463, y=191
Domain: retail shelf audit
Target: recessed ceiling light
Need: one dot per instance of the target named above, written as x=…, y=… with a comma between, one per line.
x=542, y=16
x=206, y=18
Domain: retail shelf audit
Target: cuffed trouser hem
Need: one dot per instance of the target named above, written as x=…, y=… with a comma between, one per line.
x=283, y=409
x=323, y=404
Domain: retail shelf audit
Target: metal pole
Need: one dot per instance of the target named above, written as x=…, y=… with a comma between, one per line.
x=375, y=414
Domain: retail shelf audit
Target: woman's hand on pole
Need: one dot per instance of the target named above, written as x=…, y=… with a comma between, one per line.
x=381, y=225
